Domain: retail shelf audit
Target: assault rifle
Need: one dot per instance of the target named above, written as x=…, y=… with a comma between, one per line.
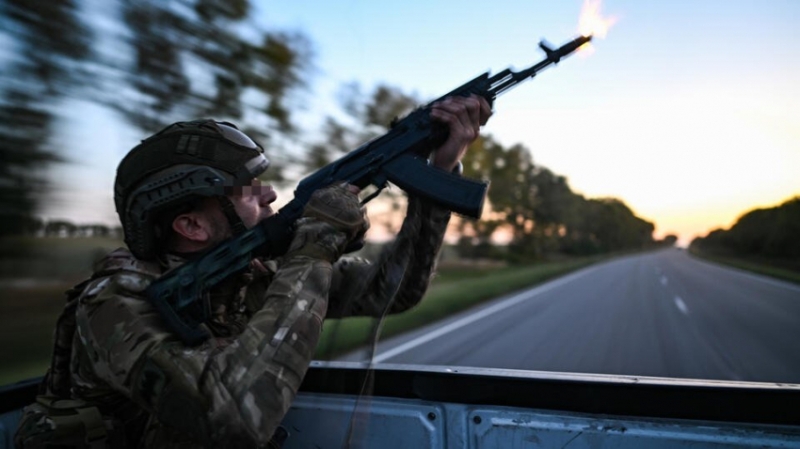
x=399, y=157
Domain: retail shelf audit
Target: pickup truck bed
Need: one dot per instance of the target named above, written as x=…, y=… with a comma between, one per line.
x=448, y=407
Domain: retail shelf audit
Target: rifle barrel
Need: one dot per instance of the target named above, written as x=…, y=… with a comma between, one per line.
x=507, y=79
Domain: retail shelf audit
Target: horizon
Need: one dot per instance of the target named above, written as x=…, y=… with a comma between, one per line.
x=677, y=112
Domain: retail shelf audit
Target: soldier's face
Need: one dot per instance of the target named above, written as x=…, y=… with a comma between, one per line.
x=252, y=203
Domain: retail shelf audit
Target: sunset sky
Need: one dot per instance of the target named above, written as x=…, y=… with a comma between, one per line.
x=688, y=111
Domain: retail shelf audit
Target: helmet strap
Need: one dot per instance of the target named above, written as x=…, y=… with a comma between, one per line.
x=236, y=223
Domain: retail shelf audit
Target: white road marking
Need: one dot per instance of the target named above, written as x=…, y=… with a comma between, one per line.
x=681, y=305
x=663, y=280
x=512, y=301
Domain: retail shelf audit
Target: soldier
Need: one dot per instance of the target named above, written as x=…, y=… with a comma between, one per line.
x=120, y=378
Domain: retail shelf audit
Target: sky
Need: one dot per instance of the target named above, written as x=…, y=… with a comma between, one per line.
x=688, y=111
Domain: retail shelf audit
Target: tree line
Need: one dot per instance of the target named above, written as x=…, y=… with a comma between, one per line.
x=770, y=232
x=36, y=227
x=152, y=63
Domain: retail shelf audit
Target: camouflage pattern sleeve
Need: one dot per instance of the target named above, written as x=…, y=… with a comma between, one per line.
x=226, y=392
x=362, y=288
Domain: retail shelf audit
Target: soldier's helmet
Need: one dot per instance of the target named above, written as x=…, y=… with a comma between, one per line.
x=168, y=171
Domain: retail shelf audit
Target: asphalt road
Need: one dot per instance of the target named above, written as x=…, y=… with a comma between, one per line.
x=662, y=314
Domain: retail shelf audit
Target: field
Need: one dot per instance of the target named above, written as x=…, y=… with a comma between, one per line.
x=27, y=319
x=36, y=273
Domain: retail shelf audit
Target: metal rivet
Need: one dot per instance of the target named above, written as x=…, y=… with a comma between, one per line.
x=431, y=416
x=476, y=419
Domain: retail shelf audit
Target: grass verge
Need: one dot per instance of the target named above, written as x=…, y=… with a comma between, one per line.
x=760, y=267
x=34, y=274
x=27, y=319
x=453, y=292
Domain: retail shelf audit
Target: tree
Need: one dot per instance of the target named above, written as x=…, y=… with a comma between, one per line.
x=156, y=63
x=670, y=240
x=367, y=115
x=764, y=232
x=540, y=210
x=614, y=227
x=510, y=172
x=60, y=228
x=248, y=74
x=555, y=212
x=49, y=39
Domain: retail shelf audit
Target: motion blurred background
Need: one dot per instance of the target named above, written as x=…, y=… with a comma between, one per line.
x=678, y=129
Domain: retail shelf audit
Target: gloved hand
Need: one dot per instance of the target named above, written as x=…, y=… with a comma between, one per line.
x=333, y=223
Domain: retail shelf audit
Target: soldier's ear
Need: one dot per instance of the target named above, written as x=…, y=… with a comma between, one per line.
x=193, y=226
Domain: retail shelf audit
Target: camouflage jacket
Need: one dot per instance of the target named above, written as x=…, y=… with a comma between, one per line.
x=234, y=389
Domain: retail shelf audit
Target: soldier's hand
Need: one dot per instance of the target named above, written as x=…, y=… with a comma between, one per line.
x=464, y=117
x=339, y=206
x=333, y=223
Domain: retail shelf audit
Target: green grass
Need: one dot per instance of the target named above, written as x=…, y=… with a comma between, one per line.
x=34, y=274
x=27, y=321
x=765, y=267
x=453, y=291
